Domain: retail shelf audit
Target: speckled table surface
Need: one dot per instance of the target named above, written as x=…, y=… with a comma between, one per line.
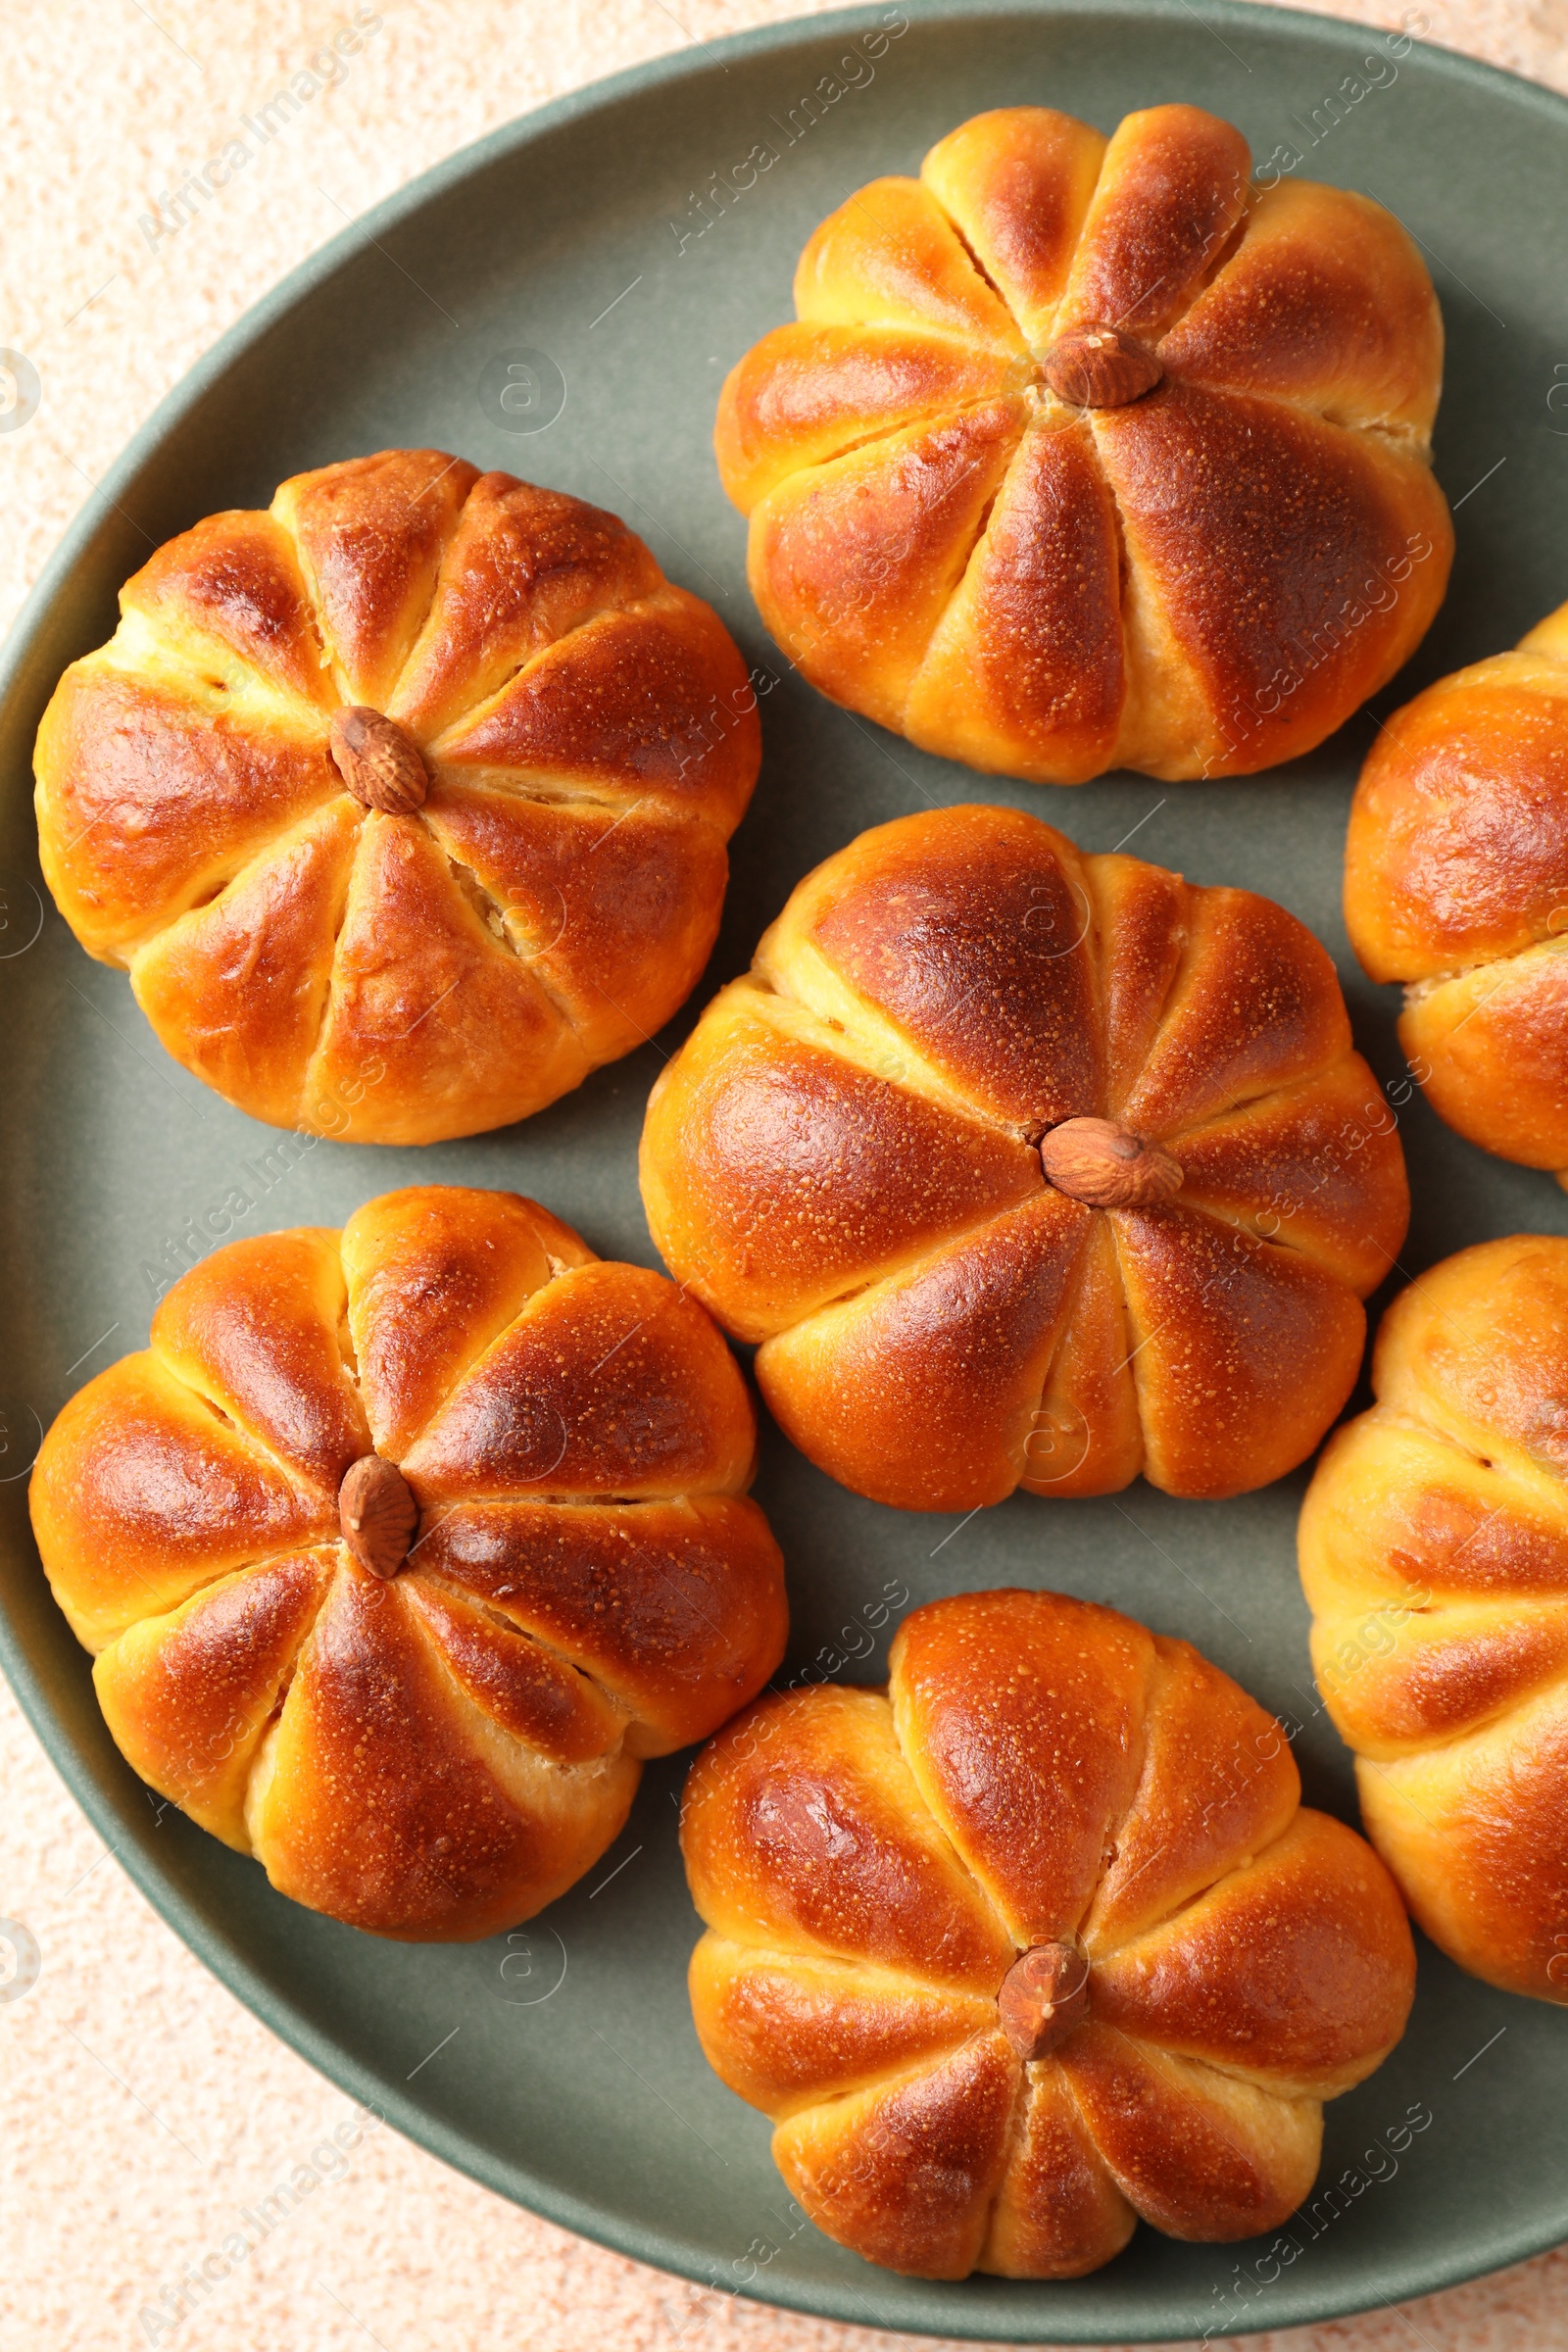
x=143, y=2109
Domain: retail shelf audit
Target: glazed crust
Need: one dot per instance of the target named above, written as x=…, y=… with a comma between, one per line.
x=1456, y=883
x=1434, y=1551
x=591, y=740
x=870, y=1865
x=1205, y=581
x=841, y=1162
x=436, y=1756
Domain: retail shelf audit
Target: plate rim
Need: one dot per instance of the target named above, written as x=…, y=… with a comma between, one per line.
x=21, y=704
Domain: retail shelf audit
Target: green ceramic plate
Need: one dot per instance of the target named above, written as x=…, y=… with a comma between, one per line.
x=562, y=301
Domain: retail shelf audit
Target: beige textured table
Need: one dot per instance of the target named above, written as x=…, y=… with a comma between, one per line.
x=144, y=2110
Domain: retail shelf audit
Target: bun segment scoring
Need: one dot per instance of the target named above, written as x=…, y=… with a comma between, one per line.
x=1087, y=454
x=404, y=803
x=1033, y=1945
x=1027, y=1168
x=399, y=1549
x=1456, y=884
x=1434, y=1551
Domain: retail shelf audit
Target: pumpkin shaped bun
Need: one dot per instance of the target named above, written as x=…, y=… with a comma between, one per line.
x=404, y=802
x=1085, y=454
x=1434, y=1551
x=1035, y=1944
x=1456, y=884
x=398, y=1549
x=1030, y=1168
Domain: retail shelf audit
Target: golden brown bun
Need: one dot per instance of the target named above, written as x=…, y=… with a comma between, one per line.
x=1203, y=580
x=870, y=1865
x=437, y=1755
x=1456, y=883
x=591, y=740
x=841, y=1162
x=1433, y=1549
